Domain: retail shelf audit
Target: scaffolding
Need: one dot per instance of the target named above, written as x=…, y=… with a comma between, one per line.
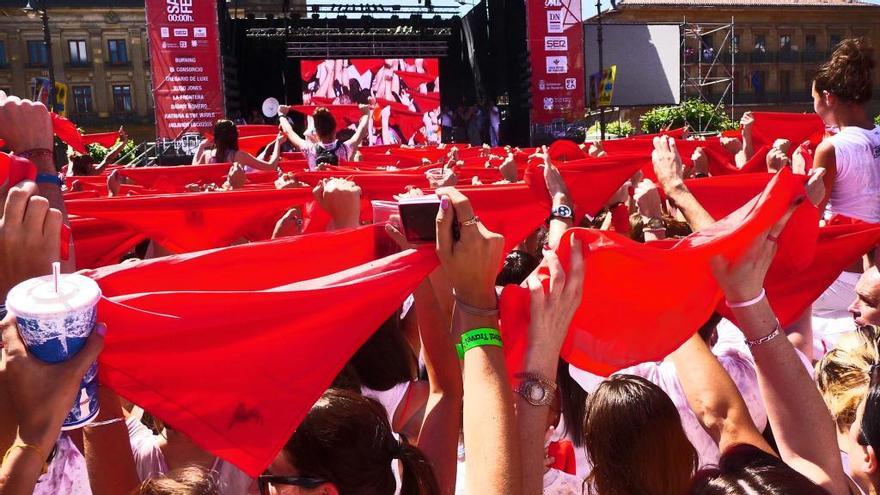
x=706, y=67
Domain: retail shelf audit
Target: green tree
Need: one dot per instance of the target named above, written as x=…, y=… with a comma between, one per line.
x=696, y=115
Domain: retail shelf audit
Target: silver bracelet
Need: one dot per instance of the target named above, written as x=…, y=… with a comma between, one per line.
x=473, y=310
x=767, y=338
x=96, y=424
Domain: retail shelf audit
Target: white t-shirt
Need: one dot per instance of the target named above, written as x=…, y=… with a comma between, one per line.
x=856, y=191
x=150, y=462
x=343, y=152
x=734, y=356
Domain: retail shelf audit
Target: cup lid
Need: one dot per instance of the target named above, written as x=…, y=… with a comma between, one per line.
x=37, y=296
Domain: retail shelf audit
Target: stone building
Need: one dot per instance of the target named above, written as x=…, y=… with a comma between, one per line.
x=99, y=50
x=777, y=44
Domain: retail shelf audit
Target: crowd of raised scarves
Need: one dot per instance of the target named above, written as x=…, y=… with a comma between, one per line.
x=509, y=199
x=112, y=213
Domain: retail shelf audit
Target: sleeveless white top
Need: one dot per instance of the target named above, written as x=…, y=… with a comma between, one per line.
x=856, y=191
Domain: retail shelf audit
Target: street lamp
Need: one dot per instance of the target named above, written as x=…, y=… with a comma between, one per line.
x=47, y=41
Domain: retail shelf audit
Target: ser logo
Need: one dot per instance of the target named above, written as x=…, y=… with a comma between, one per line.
x=555, y=43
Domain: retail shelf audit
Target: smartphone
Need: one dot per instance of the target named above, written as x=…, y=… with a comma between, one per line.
x=418, y=215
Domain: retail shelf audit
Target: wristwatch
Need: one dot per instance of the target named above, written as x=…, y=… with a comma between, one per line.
x=562, y=211
x=535, y=389
x=654, y=224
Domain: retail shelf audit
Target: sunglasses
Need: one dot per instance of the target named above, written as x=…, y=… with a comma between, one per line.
x=265, y=480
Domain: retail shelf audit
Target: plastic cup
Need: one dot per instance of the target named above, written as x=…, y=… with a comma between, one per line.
x=438, y=175
x=54, y=323
x=382, y=210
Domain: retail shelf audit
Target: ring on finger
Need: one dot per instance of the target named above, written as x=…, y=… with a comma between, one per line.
x=473, y=221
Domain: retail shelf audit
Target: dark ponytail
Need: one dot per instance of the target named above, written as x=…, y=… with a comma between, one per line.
x=417, y=477
x=848, y=75
x=347, y=440
x=573, y=401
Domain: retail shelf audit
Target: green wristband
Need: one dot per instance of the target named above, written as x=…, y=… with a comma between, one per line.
x=476, y=338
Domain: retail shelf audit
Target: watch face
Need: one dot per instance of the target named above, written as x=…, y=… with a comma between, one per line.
x=535, y=392
x=563, y=211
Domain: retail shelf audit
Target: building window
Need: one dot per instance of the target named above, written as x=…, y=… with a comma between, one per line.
x=37, y=56
x=785, y=84
x=3, y=60
x=122, y=98
x=760, y=43
x=118, y=52
x=758, y=77
x=834, y=40
x=735, y=43
x=785, y=43
x=82, y=99
x=810, y=42
x=78, y=53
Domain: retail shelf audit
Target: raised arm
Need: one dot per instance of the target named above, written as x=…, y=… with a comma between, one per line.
x=294, y=138
x=199, y=155
x=714, y=398
x=826, y=159
x=106, y=444
x=559, y=196
x=490, y=435
x=551, y=315
x=802, y=425
x=251, y=161
x=361, y=133
x=114, y=152
x=670, y=174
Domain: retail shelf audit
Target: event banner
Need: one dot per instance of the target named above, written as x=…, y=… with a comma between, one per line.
x=405, y=91
x=556, y=48
x=185, y=63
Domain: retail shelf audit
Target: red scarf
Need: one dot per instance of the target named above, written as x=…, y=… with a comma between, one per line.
x=641, y=302
x=232, y=347
x=105, y=139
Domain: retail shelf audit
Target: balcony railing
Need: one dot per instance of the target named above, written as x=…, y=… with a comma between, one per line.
x=773, y=97
x=761, y=57
x=788, y=56
x=118, y=64
x=79, y=64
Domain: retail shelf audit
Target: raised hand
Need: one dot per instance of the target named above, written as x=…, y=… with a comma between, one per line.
x=43, y=393
x=731, y=145
x=508, y=169
x=647, y=199
x=782, y=145
x=24, y=124
x=236, y=177
x=799, y=158
x=667, y=163
x=30, y=236
x=288, y=225
x=776, y=160
x=113, y=184
x=472, y=261
x=701, y=163
x=340, y=198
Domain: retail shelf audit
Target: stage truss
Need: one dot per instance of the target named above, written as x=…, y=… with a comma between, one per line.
x=703, y=71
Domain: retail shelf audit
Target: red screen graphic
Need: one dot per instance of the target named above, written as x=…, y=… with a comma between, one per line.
x=406, y=93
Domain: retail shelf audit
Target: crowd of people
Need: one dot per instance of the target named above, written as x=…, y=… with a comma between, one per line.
x=432, y=403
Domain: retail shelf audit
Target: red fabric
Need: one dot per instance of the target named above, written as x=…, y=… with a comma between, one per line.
x=192, y=221
x=253, y=144
x=173, y=179
x=591, y=182
x=105, y=139
x=723, y=195
x=233, y=349
x=345, y=115
x=100, y=242
x=67, y=132
x=563, y=453
x=674, y=133
x=796, y=127
x=256, y=130
x=426, y=102
x=620, y=220
x=672, y=291
x=415, y=79
x=564, y=150
x=366, y=64
x=14, y=169
x=792, y=291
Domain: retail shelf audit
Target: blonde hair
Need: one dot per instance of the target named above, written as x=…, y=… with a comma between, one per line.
x=843, y=374
x=184, y=481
